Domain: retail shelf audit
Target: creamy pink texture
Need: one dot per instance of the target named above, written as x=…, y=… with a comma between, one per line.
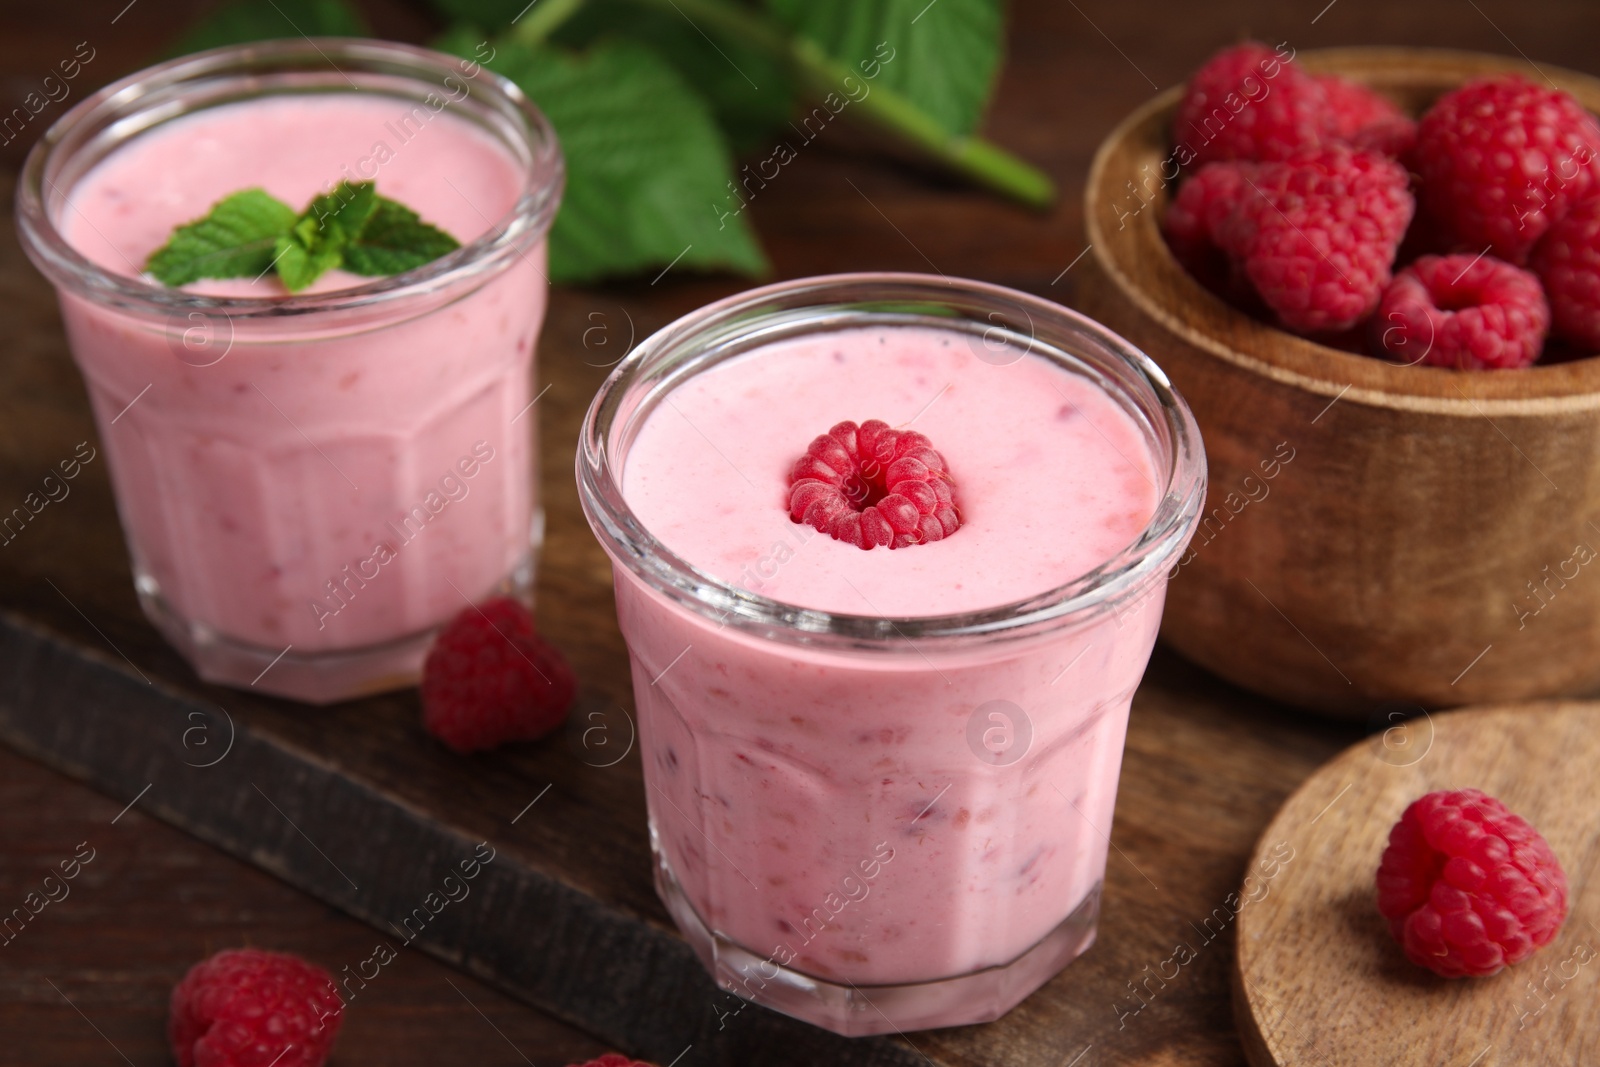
x=453, y=174
x=1052, y=478
x=840, y=810
x=329, y=484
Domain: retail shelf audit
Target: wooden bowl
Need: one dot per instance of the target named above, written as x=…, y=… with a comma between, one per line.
x=1374, y=532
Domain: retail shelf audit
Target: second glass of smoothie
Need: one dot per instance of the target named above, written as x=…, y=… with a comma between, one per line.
x=881, y=781
x=310, y=483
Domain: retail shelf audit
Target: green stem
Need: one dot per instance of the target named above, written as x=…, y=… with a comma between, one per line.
x=542, y=19
x=985, y=163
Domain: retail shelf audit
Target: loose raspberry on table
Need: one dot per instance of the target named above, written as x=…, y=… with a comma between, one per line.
x=1467, y=886
x=1567, y=260
x=249, y=1008
x=613, y=1059
x=1466, y=312
x=1502, y=159
x=1316, y=235
x=490, y=678
x=1250, y=102
x=874, y=487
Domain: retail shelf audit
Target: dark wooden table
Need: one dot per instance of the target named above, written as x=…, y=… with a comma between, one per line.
x=87, y=981
x=1206, y=765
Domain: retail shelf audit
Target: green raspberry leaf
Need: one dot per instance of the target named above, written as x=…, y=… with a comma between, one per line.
x=942, y=56
x=751, y=91
x=394, y=240
x=262, y=20
x=481, y=12
x=648, y=170
x=237, y=238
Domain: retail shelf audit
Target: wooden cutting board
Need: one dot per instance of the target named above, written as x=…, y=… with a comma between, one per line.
x=1317, y=978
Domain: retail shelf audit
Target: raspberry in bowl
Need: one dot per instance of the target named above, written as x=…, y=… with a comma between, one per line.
x=889, y=554
x=1399, y=432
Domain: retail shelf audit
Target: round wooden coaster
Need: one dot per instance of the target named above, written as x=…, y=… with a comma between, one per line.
x=1317, y=979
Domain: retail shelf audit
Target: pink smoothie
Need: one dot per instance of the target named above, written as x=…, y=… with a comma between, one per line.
x=827, y=810
x=336, y=484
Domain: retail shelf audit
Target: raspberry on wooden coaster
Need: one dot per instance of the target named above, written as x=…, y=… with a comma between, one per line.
x=247, y=1007
x=1468, y=887
x=874, y=487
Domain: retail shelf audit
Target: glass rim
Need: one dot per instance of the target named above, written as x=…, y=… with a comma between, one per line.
x=630, y=544
x=524, y=223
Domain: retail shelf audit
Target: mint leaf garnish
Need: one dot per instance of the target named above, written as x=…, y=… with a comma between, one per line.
x=249, y=233
x=236, y=239
x=338, y=215
x=394, y=240
x=316, y=242
x=299, y=266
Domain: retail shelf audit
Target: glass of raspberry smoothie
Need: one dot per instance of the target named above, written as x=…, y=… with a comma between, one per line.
x=310, y=483
x=890, y=553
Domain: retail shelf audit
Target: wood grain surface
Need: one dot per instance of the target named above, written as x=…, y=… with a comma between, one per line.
x=1317, y=978
x=86, y=980
x=1373, y=532
x=90, y=687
